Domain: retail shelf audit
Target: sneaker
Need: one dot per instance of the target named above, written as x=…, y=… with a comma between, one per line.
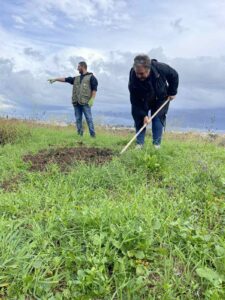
x=139, y=147
x=157, y=147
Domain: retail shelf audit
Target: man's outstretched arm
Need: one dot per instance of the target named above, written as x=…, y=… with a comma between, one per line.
x=56, y=79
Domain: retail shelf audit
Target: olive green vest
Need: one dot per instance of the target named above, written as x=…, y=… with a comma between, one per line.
x=81, y=90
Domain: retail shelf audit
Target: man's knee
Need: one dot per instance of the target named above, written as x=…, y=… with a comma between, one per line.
x=78, y=117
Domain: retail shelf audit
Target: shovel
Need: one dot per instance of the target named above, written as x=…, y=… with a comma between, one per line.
x=145, y=125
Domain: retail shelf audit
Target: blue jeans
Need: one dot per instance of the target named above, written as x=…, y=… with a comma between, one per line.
x=79, y=110
x=157, y=130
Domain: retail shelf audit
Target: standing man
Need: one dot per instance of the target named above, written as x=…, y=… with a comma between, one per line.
x=151, y=83
x=84, y=92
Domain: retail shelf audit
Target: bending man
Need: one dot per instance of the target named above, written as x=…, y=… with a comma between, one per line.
x=151, y=83
x=84, y=92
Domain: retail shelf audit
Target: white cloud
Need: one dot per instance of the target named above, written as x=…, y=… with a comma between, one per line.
x=18, y=50
x=19, y=20
x=200, y=85
x=91, y=12
x=5, y=104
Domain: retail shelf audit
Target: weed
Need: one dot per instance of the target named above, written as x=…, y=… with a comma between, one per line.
x=145, y=225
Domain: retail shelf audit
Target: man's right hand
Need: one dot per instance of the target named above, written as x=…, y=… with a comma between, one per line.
x=146, y=120
x=51, y=81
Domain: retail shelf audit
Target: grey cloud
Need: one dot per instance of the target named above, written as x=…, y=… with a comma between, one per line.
x=158, y=54
x=203, y=72
x=26, y=91
x=176, y=25
x=33, y=53
x=201, y=79
x=201, y=83
x=74, y=60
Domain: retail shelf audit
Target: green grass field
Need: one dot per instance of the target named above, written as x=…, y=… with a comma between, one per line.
x=146, y=225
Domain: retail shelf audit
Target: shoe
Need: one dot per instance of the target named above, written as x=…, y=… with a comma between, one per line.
x=139, y=147
x=157, y=147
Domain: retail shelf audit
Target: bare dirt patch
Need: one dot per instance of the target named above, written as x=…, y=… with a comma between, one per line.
x=65, y=157
x=10, y=185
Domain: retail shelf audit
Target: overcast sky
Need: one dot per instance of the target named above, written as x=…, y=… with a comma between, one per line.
x=45, y=39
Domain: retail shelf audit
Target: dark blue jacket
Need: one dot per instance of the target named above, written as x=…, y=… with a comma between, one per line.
x=162, y=82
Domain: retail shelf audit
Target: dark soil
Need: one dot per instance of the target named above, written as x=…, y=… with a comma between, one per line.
x=10, y=185
x=65, y=157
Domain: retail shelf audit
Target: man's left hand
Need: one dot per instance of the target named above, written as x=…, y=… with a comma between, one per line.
x=146, y=120
x=91, y=102
x=171, y=97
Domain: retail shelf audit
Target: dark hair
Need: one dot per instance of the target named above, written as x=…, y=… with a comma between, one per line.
x=83, y=64
x=142, y=59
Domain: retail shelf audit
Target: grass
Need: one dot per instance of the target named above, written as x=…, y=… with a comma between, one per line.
x=10, y=133
x=146, y=225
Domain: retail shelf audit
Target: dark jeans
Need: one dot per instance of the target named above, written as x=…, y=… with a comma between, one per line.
x=79, y=110
x=157, y=130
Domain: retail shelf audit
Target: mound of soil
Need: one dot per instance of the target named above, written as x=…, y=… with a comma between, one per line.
x=65, y=157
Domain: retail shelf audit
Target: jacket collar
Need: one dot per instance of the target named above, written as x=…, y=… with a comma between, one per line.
x=88, y=73
x=154, y=69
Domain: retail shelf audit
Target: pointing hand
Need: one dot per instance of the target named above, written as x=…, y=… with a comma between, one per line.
x=51, y=81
